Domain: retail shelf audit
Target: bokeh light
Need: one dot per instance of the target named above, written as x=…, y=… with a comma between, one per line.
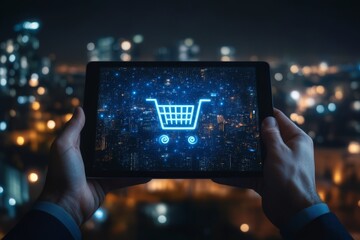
x=244, y=227
x=33, y=177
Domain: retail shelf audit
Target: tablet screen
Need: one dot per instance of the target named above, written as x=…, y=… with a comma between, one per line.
x=196, y=119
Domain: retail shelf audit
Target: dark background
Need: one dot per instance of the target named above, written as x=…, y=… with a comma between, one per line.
x=313, y=48
x=307, y=30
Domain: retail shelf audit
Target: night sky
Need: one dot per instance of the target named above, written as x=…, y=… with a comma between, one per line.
x=305, y=31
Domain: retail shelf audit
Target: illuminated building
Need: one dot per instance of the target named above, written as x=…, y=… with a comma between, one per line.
x=227, y=53
x=22, y=70
x=33, y=108
x=14, y=189
x=111, y=49
x=184, y=50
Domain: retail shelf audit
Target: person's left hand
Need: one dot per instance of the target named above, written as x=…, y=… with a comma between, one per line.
x=66, y=184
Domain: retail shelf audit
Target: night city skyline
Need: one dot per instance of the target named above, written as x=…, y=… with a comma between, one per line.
x=307, y=31
x=314, y=55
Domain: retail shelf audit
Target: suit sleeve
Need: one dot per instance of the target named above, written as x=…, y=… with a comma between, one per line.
x=45, y=221
x=326, y=226
x=39, y=225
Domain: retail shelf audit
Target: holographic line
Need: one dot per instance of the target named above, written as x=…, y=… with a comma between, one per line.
x=168, y=114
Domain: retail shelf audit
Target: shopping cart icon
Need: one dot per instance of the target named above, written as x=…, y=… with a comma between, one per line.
x=178, y=117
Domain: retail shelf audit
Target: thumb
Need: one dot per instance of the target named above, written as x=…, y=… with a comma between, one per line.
x=270, y=133
x=72, y=130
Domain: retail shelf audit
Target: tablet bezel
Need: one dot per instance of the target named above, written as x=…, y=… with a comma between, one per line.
x=90, y=105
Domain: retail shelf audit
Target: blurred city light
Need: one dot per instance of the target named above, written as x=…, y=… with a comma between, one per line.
x=35, y=76
x=162, y=219
x=225, y=59
x=337, y=177
x=125, y=57
x=33, y=177
x=51, y=124
x=354, y=85
x=322, y=195
x=75, y=102
x=126, y=45
x=244, y=227
x=100, y=215
x=35, y=105
x=300, y=120
x=12, y=58
x=320, y=109
x=339, y=93
x=25, y=39
x=161, y=209
x=31, y=25
x=69, y=90
x=21, y=99
x=12, y=202
x=3, y=82
x=12, y=113
x=33, y=82
x=138, y=38
x=320, y=89
x=331, y=107
x=356, y=105
x=1, y=189
x=310, y=102
x=41, y=90
x=3, y=126
x=225, y=50
x=68, y=116
x=295, y=95
x=10, y=48
x=45, y=70
x=323, y=67
x=294, y=117
x=20, y=140
x=3, y=59
x=189, y=42
x=278, y=77
x=90, y=46
x=354, y=147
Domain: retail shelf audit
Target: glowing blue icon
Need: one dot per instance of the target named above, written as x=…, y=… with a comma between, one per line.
x=177, y=117
x=192, y=140
x=164, y=139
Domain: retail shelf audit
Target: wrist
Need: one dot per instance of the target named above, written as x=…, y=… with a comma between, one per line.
x=280, y=214
x=302, y=218
x=71, y=206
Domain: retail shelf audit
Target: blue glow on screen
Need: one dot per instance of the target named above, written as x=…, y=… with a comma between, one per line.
x=177, y=119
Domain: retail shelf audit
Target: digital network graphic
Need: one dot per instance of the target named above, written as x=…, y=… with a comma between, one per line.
x=177, y=119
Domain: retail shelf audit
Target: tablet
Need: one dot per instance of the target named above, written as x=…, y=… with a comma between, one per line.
x=175, y=119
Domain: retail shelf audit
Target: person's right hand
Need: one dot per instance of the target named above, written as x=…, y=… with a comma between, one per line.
x=288, y=184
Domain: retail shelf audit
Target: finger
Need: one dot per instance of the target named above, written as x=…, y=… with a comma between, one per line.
x=270, y=133
x=288, y=129
x=112, y=184
x=72, y=130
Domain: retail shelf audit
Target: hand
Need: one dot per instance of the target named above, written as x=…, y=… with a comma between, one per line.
x=66, y=183
x=288, y=183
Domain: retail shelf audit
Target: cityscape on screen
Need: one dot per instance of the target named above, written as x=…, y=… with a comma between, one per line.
x=178, y=119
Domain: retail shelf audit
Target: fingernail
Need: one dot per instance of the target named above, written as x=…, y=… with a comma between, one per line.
x=269, y=122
